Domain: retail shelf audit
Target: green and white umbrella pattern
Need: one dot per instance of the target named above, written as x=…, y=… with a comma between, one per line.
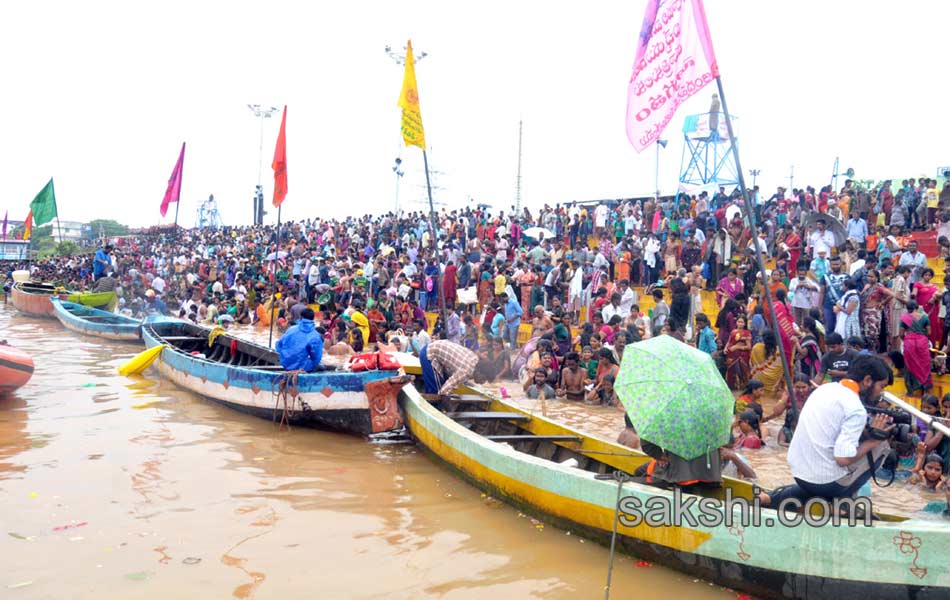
x=675, y=396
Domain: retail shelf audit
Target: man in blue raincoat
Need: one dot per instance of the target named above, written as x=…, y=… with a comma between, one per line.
x=301, y=348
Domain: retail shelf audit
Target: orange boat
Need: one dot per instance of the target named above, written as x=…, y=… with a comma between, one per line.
x=16, y=368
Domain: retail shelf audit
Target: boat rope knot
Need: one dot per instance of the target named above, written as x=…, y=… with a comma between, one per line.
x=286, y=392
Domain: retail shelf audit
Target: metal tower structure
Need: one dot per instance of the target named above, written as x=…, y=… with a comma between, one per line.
x=708, y=154
x=208, y=215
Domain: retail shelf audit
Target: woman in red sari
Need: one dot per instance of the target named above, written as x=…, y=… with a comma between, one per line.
x=925, y=293
x=738, y=351
x=793, y=244
x=915, y=326
x=786, y=325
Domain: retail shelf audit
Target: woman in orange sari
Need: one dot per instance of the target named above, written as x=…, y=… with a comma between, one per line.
x=622, y=266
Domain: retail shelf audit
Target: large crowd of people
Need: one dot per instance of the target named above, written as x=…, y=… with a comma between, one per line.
x=576, y=283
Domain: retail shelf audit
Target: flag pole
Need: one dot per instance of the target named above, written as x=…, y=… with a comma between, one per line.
x=435, y=244
x=60, y=228
x=270, y=336
x=750, y=214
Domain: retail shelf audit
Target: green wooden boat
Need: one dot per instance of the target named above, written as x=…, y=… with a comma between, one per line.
x=518, y=456
x=33, y=298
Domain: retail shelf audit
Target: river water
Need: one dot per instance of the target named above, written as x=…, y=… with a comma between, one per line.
x=131, y=488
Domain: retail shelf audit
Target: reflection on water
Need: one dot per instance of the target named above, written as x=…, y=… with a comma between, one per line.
x=132, y=488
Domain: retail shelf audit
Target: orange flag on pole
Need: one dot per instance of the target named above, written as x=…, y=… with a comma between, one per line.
x=28, y=226
x=280, y=163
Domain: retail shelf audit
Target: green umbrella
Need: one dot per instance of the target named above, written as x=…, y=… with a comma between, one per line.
x=675, y=396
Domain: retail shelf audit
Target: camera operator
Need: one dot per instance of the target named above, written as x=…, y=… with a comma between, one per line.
x=835, y=444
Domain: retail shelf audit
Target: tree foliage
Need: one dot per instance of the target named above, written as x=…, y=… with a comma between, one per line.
x=107, y=227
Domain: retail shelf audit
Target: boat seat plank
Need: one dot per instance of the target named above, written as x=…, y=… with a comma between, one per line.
x=182, y=338
x=534, y=438
x=459, y=398
x=487, y=416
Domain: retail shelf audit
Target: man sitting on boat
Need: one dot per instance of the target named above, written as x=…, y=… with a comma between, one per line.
x=666, y=468
x=835, y=448
x=301, y=348
x=445, y=366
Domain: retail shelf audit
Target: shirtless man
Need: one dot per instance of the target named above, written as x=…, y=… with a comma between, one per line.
x=571, y=384
x=541, y=323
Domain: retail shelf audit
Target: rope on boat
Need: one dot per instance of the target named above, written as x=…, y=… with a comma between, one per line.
x=620, y=477
x=285, y=392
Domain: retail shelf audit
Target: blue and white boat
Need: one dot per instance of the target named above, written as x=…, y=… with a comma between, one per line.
x=92, y=321
x=249, y=378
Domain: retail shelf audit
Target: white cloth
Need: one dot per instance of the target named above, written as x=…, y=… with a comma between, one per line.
x=829, y=426
x=627, y=301
x=821, y=240
x=608, y=311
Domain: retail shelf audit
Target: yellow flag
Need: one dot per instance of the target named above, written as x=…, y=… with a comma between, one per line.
x=412, y=131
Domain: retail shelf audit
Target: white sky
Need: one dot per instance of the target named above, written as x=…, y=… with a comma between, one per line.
x=100, y=95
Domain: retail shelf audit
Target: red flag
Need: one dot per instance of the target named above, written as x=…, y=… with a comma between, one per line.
x=28, y=226
x=675, y=60
x=173, y=192
x=280, y=162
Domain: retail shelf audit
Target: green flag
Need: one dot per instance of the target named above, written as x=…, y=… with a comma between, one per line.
x=44, y=205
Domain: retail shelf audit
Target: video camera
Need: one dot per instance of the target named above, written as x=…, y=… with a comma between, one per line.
x=902, y=421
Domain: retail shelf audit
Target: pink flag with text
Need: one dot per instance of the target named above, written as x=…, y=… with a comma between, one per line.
x=675, y=60
x=173, y=192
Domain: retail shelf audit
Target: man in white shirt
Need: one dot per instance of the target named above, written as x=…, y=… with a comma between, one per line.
x=821, y=239
x=158, y=284
x=614, y=308
x=915, y=260
x=628, y=297
x=829, y=452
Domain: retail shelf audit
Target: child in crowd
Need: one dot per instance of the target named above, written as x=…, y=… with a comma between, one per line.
x=750, y=434
x=751, y=397
x=928, y=470
x=538, y=385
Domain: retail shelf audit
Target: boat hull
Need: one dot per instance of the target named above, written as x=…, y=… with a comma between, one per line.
x=34, y=305
x=773, y=562
x=34, y=299
x=78, y=318
x=332, y=400
x=16, y=368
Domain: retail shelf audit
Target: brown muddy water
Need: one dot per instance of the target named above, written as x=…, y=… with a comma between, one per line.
x=131, y=488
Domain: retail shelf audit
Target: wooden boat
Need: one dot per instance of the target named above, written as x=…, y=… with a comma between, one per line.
x=16, y=368
x=92, y=321
x=517, y=456
x=33, y=298
x=249, y=378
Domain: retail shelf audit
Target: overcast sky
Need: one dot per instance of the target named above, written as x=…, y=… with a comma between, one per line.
x=100, y=95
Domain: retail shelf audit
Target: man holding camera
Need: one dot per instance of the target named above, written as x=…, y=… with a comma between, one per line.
x=836, y=447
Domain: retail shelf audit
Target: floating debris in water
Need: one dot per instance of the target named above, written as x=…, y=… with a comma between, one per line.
x=70, y=526
x=21, y=584
x=144, y=405
x=137, y=576
x=191, y=560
